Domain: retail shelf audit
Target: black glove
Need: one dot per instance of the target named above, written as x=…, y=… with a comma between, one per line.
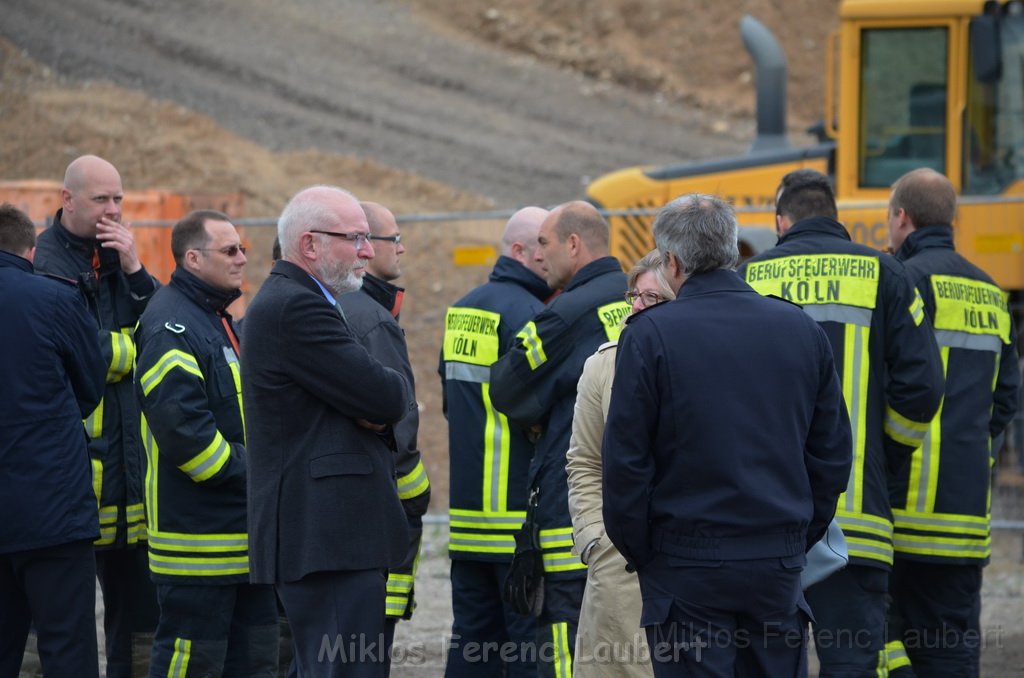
x=524, y=584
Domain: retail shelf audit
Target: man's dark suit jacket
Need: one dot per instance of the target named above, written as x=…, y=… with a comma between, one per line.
x=322, y=494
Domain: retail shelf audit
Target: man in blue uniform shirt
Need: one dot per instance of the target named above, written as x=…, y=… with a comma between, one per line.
x=726, y=447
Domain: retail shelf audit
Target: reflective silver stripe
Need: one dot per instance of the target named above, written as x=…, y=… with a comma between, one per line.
x=892, y=424
x=554, y=541
x=975, y=342
x=477, y=374
x=512, y=519
x=917, y=522
x=217, y=457
x=242, y=562
x=966, y=547
x=861, y=548
x=502, y=542
x=853, y=522
x=839, y=313
x=859, y=393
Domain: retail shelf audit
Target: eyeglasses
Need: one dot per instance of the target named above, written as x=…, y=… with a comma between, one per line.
x=390, y=238
x=646, y=298
x=229, y=251
x=358, y=239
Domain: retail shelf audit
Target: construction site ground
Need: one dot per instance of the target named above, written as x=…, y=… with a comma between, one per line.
x=425, y=106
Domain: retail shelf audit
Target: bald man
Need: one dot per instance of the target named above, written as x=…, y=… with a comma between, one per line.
x=372, y=314
x=89, y=243
x=534, y=385
x=488, y=457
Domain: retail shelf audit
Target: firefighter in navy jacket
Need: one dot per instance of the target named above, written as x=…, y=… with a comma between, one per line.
x=726, y=447
x=892, y=381
x=534, y=384
x=941, y=499
x=488, y=455
x=88, y=243
x=52, y=379
x=189, y=389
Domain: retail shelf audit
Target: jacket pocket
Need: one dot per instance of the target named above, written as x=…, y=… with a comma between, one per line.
x=347, y=464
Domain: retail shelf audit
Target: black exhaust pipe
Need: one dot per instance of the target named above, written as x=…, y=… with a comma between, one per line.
x=770, y=66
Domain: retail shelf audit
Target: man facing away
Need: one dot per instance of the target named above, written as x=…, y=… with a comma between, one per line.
x=488, y=457
x=53, y=378
x=726, y=446
x=89, y=243
x=212, y=620
x=941, y=499
x=325, y=520
x=372, y=314
x=892, y=382
x=534, y=385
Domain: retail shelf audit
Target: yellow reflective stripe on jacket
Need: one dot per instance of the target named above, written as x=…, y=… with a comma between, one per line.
x=924, y=462
x=135, y=516
x=612, y=316
x=533, y=344
x=809, y=279
x=236, y=376
x=971, y=306
x=94, y=422
x=895, y=655
x=867, y=536
x=950, y=547
x=414, y=483
x=856, y=372
x=562, y=657
x=556, y=546
x=198, y=567
x=229, y=542
x=904, y=430
x=209, y=461
x=108, y=525
x=399, y=586
x=122, y=355
x=152, y=477
x=471, y=335
x=178, y=667
x=173, y=358
x=916, y=308
x=951, y=523
x=483, y=531
x=497, y=449
x=97, y=479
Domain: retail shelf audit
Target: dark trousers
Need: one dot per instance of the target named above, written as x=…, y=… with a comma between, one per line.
x=337, y=622
x=54, y=589
x=130, y=610
x=484, y=626
x=849, y=621
x=556, y=627
x=725, y=618
x=937, y=610
x=229, y=630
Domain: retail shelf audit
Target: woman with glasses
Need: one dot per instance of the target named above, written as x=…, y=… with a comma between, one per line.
x=610, y=641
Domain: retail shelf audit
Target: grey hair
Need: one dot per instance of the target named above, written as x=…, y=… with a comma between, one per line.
x=306, y=210
x=700, y=230
x=652, y=262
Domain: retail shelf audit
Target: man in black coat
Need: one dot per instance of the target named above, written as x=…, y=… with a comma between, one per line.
x=52, y=379
x=325, y=520
x=726, y=447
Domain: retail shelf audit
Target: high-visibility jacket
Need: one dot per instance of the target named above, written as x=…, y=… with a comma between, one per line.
x=372, y=315
x=190, y=391
x=941, y=500
x=488, y=456
x=115, y=300
x=884, y=352
x=535, y=383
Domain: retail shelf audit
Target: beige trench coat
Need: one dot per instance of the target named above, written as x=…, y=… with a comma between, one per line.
x=609, y=642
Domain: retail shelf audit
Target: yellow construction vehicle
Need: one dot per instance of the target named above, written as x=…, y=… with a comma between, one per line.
x=909, y=83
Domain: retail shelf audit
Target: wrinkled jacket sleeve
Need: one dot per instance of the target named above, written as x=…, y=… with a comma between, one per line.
x=583, y=460
x=627, y=449
x=525, y=382
x=915, y=380
x=828, y=453
x=174, y=401
x=83, y=361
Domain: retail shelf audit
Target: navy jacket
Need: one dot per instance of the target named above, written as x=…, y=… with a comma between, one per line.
x=535, y=383
x=727, y=437
x=941, y=499
x=488, y=456
x=52, y=379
